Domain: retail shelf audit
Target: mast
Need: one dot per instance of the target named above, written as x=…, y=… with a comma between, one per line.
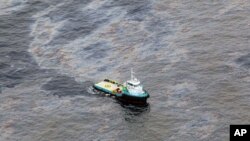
x=132, y=74
x=133, y=78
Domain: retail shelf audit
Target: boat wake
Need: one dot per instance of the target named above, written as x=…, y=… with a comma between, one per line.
x=91, y=90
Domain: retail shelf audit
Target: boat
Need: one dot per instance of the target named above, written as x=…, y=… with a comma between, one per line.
x=130, y=92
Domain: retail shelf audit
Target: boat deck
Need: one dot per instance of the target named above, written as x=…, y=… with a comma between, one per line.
x=108, y=86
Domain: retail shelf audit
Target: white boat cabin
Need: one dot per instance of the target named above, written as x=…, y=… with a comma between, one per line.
x=134, y=85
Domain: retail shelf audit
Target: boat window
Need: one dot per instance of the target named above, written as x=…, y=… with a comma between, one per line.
x=130, y=84
x=136, y=85
x=133, y=85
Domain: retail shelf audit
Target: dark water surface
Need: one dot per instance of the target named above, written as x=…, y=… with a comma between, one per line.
x=192, y=56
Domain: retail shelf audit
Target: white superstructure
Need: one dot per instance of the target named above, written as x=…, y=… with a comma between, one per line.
x=134, y=85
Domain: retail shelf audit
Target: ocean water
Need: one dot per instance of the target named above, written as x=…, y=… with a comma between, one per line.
x=192, y=56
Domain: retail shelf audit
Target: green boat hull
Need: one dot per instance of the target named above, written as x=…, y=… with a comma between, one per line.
x=125, y=96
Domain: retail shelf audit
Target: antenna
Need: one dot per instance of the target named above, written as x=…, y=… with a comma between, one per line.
x=132, y=74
